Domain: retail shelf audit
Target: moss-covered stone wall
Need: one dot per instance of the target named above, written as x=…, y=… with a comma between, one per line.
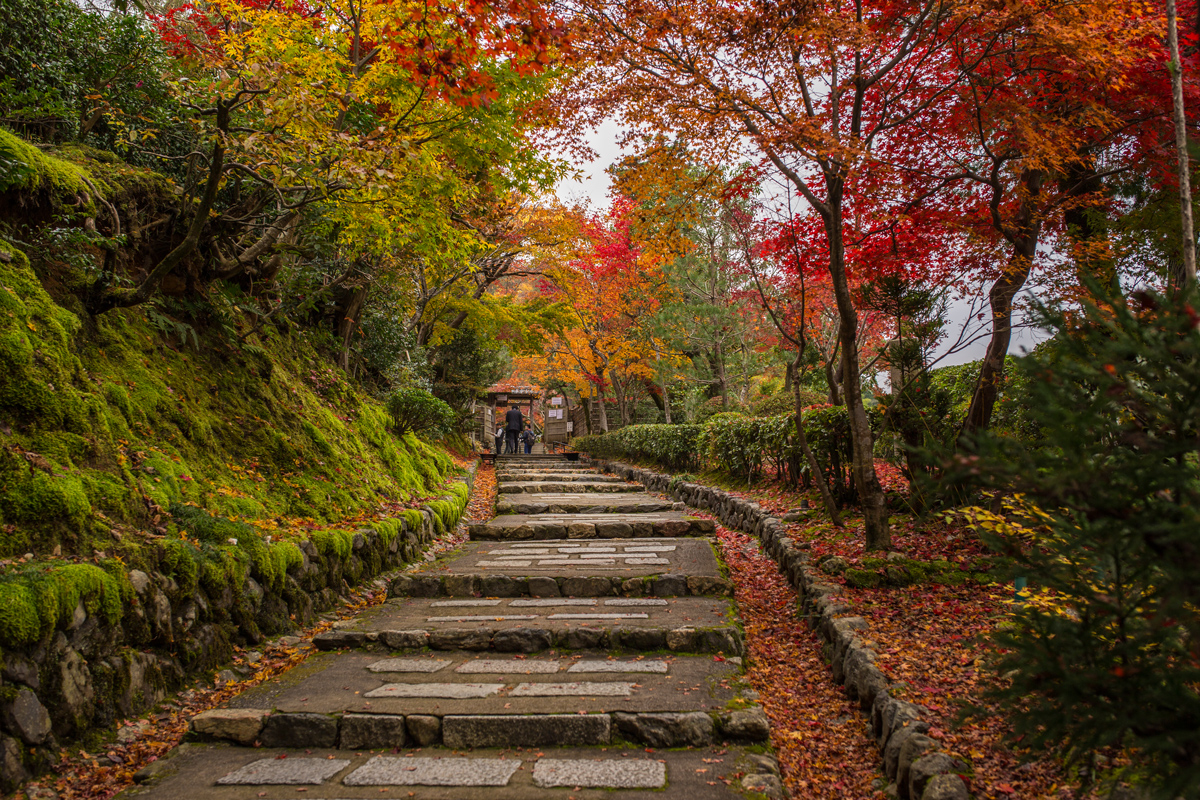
x=86, y=645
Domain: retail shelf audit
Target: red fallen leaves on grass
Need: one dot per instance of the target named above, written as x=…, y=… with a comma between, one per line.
x=820, y=737
x=931, y=639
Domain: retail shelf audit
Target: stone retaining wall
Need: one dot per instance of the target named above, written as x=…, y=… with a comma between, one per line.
x=83, y=676
x=911, y=760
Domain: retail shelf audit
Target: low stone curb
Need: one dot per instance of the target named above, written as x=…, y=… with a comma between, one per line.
x=519, y=506
x=726, y=639
x=352, y=731
x=911, y=759
x=553, y=487
x=481, y=585
x=631, y=529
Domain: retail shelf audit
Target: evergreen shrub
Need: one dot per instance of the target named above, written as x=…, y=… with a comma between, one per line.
x=417, y=411
x=1103, y=516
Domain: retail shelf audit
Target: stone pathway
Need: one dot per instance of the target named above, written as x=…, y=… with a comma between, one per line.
x=579, y=647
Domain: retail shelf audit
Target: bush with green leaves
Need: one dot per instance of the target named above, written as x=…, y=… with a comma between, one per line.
x=740, y=446
x=1106, y=525
x=1010, y=415
x=417, y=411
x=784, y=403
x=671, y=446
x=69, y=73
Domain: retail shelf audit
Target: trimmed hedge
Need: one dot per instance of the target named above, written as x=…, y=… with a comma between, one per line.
x=673, y=446
x=739, y=445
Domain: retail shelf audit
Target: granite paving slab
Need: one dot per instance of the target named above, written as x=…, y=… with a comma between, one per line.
x=192, y=772
x=584, y=503
x=290, y=772
x=452, y=771
x=589, y=526
x=639, y=773
x=508, y=666
x=569, y=475
x=336, y=683
x=699, y=774
x=409, y=665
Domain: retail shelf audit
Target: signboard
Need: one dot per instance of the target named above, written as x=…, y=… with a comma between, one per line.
x=501, y=398
x=556, y=401
x=570, y=426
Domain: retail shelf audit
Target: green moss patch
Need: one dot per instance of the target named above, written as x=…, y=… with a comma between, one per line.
x=34, y=601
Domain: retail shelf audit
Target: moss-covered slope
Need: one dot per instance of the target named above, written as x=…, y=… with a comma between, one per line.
x=104, y=429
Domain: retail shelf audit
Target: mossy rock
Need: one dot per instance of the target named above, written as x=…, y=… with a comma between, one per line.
x=39, y=598
x=863, y=578
x=950, y=578
x=26, y=169
x=37, y=364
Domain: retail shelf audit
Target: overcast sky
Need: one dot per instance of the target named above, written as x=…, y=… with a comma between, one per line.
x=593, y=185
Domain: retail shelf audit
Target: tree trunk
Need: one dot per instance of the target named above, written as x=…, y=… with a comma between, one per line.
x=348, y=313
x=1024, y=240
x=1092, y=259
x=107, y=299
x=603, y=415
x=718, y=359
x=622, y=402
x=814, y=466
x=665, y=405
x=870, y=491
x=1175, y=66
x=587, y=414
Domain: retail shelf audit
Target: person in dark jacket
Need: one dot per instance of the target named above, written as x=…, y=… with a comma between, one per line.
x=514, y=422
x=528, y=437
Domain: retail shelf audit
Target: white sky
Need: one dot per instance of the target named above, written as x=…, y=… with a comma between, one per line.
x=594, y=183
x=592, y=187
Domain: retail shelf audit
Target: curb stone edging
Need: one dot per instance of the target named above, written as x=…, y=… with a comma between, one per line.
x=911, y=760
x=493, y=585
x=711, y=639
x=372, y=731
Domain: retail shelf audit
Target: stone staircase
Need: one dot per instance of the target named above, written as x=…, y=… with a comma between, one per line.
x=577, y=646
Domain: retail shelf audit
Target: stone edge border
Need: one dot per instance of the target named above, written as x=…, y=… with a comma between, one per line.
x=480, y=585
x=911, y=760
x=724, y=639
x=354, y=731
x=485, y=532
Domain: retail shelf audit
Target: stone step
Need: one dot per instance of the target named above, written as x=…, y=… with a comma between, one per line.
x=357, y=700
x=589, y=526
x=692, y=624
x=223, y=772
x=564, y=474
x=538, y=458
x=476, y=567
x=547, y=487
x=584, y=503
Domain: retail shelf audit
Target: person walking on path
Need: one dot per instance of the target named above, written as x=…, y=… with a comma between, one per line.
x=513, y=423
x=499, y=440
x=528, y=437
